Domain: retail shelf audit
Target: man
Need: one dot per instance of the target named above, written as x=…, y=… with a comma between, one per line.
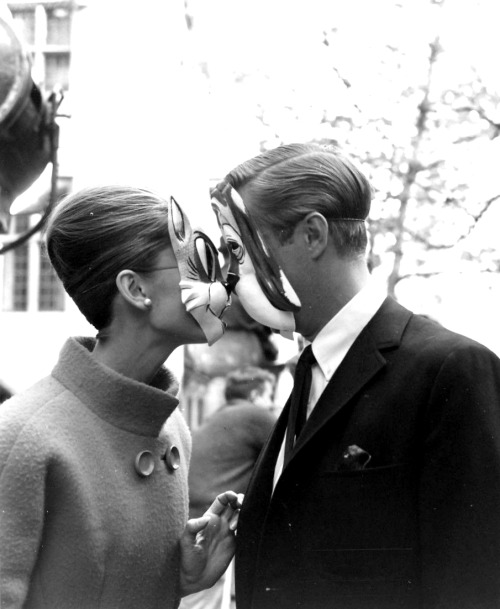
x=390, y=495
x=225, y=449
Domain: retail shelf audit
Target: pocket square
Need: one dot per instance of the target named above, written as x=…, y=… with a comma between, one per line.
x=353, y=458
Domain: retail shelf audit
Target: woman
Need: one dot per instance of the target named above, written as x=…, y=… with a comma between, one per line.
x=94, y=458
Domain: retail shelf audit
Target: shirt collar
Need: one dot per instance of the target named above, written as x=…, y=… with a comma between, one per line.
x=336, y=338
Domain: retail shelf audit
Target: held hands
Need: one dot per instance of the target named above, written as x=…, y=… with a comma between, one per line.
x=208, y=544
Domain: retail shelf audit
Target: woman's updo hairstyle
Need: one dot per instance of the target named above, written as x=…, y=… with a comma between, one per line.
x=95, y=233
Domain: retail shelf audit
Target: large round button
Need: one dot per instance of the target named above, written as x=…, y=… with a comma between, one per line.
x=172, y=458
x=144, y=463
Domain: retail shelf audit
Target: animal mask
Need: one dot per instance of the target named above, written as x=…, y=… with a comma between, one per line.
x=254, y=275
x=203, y=291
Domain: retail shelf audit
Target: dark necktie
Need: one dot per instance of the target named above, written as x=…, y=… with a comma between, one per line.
x=299, y=398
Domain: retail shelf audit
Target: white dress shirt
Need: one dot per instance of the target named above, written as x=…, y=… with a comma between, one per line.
x=334, y=341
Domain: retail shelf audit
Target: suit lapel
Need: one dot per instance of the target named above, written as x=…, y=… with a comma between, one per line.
x=362, y=362
x=255, y=507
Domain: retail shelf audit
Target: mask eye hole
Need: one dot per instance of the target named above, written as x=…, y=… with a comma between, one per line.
x=234, y=243
x=236, y=249
x=206, y=256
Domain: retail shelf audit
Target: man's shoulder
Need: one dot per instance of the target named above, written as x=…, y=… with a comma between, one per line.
x=432, y=331
x=422, y=329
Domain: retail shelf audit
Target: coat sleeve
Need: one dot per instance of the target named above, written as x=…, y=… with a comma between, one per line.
x=22, y=491
x=459, y=490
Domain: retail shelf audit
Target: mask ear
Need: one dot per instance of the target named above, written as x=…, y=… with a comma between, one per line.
x=131, y=288
x=180, y=232
x=202, y=291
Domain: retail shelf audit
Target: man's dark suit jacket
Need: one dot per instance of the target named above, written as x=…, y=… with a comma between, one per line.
x=419, y=526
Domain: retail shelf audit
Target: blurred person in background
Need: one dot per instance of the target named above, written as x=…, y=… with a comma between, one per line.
x=225, y=449
x=94, y=458
x=227, y=445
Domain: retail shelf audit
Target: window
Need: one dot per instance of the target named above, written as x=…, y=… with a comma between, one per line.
x=57, y=53
x=56, y=71
x=58, y=26
x=20, y=300
x=51, y=292
x=16, y=271
x=25, y=24
x=30, y=283
x=47, y=32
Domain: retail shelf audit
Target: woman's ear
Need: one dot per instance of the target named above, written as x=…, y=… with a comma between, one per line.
x=131, y=287
x=315, y=232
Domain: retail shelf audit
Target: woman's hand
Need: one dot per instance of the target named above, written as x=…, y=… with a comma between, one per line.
x=208, y=544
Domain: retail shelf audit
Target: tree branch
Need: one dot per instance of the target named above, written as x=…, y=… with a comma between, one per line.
x=475, y=218
x=435, y=273
x=484, y=116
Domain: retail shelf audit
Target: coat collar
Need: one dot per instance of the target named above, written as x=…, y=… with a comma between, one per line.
x=125, y=403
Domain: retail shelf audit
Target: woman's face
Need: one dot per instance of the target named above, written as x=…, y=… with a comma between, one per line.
x=168, y=314
x=203, y=291
x=185, y=284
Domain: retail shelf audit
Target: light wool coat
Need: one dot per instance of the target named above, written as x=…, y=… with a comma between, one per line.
x=79, y=526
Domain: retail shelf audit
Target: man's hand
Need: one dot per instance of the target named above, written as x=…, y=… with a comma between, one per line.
x=208, y=544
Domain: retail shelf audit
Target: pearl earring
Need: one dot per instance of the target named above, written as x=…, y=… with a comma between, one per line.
x=148, y=303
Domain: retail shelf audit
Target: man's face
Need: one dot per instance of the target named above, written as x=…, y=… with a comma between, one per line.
x=203, y=291
x=254, y=274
